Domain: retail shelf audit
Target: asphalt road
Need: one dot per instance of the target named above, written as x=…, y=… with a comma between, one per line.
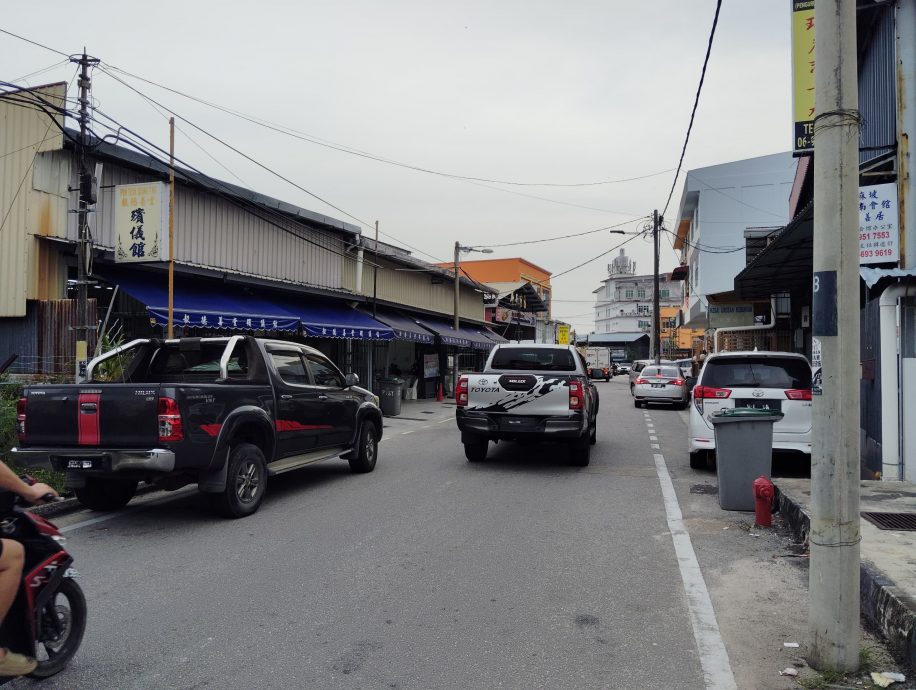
x=431, y=572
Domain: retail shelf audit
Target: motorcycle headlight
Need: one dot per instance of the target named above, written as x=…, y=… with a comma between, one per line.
x=377, y=400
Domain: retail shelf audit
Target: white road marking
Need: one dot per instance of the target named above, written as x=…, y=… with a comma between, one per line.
x=655, y=446
x=653, y=438
x=717, y=670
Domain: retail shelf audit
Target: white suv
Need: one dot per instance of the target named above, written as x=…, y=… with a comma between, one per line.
x=778, y=381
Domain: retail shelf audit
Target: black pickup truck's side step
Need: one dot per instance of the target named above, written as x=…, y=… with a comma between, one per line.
x=294, y=462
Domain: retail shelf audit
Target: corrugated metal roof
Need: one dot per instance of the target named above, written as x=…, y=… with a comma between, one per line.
x=629, y=337
x=141, y=161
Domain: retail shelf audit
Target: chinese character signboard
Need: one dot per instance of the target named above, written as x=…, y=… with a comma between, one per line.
x=879, y=233
x=563, y=334
x=803, y=75
x=141, y=222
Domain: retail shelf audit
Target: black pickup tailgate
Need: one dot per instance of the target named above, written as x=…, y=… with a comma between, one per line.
x=111, y=416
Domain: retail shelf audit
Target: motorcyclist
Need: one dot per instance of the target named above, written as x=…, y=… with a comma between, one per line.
x=12, y=557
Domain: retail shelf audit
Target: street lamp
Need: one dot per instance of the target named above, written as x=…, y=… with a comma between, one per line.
x=458, y=249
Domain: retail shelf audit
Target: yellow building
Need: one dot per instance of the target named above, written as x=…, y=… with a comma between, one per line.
x=678, y=342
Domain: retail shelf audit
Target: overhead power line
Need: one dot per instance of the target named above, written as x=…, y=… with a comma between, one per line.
x=282, y=129
x=594, y=258
x=707, y=249
x=241, y=153
x=156, y=103
x=696, y=102
x=34, y=43
x=561, y=237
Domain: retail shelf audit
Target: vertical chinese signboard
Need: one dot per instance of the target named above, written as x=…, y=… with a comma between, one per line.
x=141, y=222
x=879, y=230
x=563, y=334
x=803, y=76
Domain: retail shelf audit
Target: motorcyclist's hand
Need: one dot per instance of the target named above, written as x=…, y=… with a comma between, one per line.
x=34, y=493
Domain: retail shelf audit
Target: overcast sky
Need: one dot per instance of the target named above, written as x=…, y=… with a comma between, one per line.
x=532, y=92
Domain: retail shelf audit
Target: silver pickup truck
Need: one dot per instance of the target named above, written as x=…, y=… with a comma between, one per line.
x=528, y=392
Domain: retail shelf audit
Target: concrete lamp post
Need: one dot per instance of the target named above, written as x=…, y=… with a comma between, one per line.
x=458, y=249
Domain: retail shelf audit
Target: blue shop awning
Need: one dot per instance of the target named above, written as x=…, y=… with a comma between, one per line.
x=202, y=305
x=199, y=304
x=493, y=335
x=405, y=327
x=336, y=321
x=468, y=336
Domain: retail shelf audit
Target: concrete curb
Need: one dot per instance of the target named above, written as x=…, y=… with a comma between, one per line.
x=882, y=603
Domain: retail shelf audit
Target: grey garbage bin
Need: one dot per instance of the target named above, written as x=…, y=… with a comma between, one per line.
x=389, y=394
x=744, y=451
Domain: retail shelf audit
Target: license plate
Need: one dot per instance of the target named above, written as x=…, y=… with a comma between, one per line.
x=517, y=422
x=773, y=405
x=658, y=385
x=81, y=463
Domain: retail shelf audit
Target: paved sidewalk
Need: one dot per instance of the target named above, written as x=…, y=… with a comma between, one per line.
x=422, y=410
x=888, y=571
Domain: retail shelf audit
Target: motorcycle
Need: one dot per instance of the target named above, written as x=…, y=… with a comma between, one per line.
x=48, y=617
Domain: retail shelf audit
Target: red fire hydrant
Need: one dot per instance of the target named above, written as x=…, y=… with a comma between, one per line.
x=764, y=491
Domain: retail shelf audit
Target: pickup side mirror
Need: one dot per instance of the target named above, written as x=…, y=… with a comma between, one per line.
x=351, y=380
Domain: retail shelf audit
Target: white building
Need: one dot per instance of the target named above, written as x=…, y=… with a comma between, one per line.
x=623, y=303
x=717, y=205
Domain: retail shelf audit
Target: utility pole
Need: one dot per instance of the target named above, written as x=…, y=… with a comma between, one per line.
x=457, y=288
x=656, y=329
x=171, y=224
x=375, y=276
x=834, y=536
x=457, y=257
x=86, y=199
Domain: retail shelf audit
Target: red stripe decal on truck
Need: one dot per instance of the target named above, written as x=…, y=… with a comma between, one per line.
x=88, y=410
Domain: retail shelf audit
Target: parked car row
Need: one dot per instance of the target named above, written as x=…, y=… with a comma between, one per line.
x=775, y=381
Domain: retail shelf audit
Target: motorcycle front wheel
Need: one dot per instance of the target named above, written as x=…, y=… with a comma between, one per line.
x=63, y=622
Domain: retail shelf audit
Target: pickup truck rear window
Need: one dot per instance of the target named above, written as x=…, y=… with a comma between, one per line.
x=532, y=359
x=173, y=365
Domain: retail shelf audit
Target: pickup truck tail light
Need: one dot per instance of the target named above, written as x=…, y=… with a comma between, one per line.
x=576, y=401
x=20, y=418
x=799, y=394
x=171, y=427
x=701, y=393
x=461, y=392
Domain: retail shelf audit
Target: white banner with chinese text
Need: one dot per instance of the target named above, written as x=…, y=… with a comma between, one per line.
x=141, y=222
x=879, y=230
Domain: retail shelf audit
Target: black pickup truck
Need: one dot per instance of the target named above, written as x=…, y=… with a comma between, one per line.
x=224, y=413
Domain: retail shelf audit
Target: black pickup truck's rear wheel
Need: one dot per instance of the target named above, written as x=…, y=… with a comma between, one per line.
x=106, y=494
x=246, y=480
x=366, y=453
x=476, y=451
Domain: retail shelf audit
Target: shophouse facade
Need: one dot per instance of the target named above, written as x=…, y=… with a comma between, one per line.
x=783, y=269
x=718, y=204
x=244, y=262
x=520, y=307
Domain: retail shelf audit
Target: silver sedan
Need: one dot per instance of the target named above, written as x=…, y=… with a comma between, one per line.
x=660, y=384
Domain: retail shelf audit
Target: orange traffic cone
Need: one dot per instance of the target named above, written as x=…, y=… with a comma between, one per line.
x=439, y=395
